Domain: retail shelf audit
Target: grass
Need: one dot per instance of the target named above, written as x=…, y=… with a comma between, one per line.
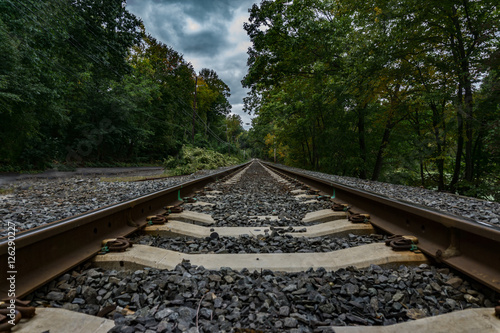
x=5, y=191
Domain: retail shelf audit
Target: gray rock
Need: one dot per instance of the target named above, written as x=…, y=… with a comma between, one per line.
x=451, y=303
x=289, y=288
x=164, y=326
x=78, y=300
x=55, y=296
x=350, y=289
x=290, y=322
x=183, y=325
x=71, y=307
x=284, y=311
x=186, y=314
x=398, y=297
x=471, y=299
x=89, y=294
x=165, y=313
x=206, y=313
x=455, y=282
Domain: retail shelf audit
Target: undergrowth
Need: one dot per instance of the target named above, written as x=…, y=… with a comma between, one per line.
x=5, y=191
x=191, y=159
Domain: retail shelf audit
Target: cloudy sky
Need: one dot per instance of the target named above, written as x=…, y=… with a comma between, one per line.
x=209, y=33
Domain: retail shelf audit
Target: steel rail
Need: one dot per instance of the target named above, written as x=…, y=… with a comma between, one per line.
x=470, y=247
x=45, y=252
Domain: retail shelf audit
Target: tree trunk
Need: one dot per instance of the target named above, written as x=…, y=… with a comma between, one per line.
x=469, y=161
x=304, y=153
x=436, y=121
x=421, y=161
x=313, y=147
x=479, y=168
x=462, y=56
x=389, y=125
x=460, y=142
x=309, y=154
x=422, y=177
x=380, y=155
x=362, y=143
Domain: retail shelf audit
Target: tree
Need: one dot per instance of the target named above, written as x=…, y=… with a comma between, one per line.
x=234, y=128
x=212, y=102
x=82, y=81
x=388, y=74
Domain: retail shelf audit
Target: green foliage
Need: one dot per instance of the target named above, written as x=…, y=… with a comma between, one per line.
x=82, y=83
x=191, y=159
x=378, y=89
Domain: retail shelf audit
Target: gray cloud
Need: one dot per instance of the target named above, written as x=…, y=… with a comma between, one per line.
x=200, y=9
x=207, y=32
x=204, y=10
x=203, y=43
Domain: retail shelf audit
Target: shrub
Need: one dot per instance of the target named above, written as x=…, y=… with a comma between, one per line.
x=191, y=159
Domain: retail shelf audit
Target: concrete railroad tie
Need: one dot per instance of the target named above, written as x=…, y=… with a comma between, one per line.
x=140, y=256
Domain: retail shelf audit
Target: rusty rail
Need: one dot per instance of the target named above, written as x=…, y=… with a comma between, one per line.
x=468, y=246
x=45, y=252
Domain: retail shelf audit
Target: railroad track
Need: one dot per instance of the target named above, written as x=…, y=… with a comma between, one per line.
x=259, y=249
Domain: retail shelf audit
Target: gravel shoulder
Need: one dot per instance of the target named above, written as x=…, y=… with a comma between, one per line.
x=7, y=179
x=470, y=208
x=32, y=201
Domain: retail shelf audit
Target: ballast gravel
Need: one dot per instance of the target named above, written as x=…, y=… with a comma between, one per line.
x=194, y=299
x=482, y=211
x=267, y=243
x=39, y=201
x=256, y=194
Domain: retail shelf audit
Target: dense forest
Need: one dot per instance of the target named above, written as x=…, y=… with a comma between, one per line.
x=82, y=83
x=404, y=91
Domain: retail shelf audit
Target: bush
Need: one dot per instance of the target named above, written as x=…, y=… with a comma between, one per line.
x=192, y=159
